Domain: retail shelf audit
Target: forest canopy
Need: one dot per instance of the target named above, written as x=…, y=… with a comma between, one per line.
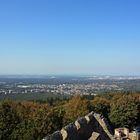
x=22, y=120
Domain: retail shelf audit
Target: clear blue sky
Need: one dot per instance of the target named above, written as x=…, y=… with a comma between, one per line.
x=70, y=37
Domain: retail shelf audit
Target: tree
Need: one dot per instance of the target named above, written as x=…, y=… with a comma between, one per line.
x=47, y=121
x=101, y=105
x=76, y=107
x=8, y=120
x=124, y=110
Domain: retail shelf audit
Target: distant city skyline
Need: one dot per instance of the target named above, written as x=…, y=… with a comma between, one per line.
x=70, y=37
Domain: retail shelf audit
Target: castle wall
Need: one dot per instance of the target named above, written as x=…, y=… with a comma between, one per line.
x=91, y=127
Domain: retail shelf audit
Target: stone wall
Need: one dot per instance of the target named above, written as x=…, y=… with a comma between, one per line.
x=91, y=127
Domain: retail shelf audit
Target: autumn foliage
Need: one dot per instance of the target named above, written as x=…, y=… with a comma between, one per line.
x=34, y=120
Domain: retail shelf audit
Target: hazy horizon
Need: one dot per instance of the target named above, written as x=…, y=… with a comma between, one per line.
x=74, y=37
x=68, y=74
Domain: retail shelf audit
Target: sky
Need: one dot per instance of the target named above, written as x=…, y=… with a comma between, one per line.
x=73, y=37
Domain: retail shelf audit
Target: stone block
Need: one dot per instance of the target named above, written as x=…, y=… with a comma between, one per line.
x=55, y=136
x=69, y=132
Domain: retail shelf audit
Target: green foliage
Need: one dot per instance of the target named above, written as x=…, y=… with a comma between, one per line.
x=8, y=120
x=34, y=120
x=101, y=105
x=75, y=108
x=28, y=120
x=124, y=110
x=46, y=122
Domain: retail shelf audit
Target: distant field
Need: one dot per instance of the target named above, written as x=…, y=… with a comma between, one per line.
x=32, y=96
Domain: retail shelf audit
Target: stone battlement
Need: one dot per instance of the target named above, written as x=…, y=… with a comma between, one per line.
x=91, y=127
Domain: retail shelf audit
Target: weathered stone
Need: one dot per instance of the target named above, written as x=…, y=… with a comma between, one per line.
x=84, y=130
x=82, y=122
x=71, y=132
x=46, y=138
x=64, y=134
x=89, y=117
x=55, y=136
x=95, y=136
x=90, y=127
x=77, y=125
